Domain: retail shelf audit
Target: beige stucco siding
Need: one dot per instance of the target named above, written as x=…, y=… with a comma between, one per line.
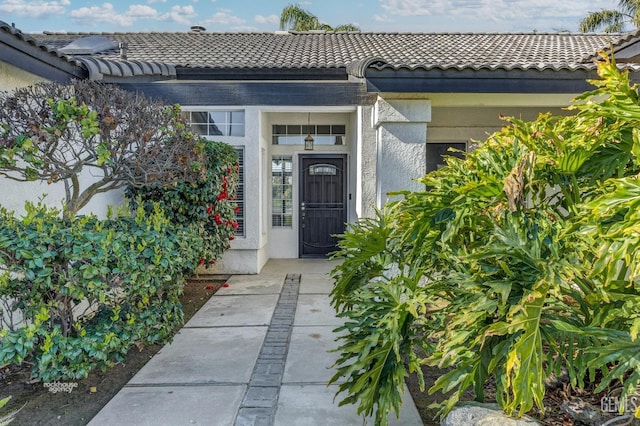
x=460, y=124
x=12, y=77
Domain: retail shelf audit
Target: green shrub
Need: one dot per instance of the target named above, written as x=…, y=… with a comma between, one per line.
x=207, y=204
x=89, y=289
x=515, y=263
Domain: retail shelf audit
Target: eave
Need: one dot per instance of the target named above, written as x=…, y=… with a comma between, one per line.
x=35, y=59
x=239, y=92
x=257, y=74
x=478, y=81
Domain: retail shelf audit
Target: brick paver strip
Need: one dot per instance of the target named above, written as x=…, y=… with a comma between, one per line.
x=259, y=405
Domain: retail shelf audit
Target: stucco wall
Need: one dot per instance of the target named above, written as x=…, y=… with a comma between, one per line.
x=12, y=77
x=366, y=159
x=401, y=134
x=393, y=150
x=460, y=124
x=13, y=195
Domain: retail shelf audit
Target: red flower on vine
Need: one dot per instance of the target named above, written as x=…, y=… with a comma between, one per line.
x=223, y=195
x=201, y=262
x=218, y=219
x=209, y=209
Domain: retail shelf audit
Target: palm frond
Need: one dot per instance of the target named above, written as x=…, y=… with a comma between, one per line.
x=293, y=17
x=608, y=21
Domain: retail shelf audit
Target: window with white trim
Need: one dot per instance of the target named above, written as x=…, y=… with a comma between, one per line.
x=216, y=123
x=294, y=134
x=282, y=191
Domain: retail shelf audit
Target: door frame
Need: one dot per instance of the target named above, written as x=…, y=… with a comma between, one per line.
x=345, y=186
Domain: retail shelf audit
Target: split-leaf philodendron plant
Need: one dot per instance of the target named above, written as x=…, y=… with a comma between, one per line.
x=515, y=263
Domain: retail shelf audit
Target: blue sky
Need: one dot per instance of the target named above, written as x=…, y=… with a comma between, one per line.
x=262, y=15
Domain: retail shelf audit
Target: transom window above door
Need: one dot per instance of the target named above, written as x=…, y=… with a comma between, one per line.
x=216, y=123
x=294, y=134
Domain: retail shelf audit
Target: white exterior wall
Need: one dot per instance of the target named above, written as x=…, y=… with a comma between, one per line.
x=262, y=241
x=401, y=135
x=248, y=253
x=283, y=241
x=14, y=194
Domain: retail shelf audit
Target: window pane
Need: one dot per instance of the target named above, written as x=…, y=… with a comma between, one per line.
x=220, y=123
x=324, y=130
x=198, y=117
x=281, y=191
x=293, y=129
x=237, y=130
x=293, y=134
x=338, y=129
x=214, y=130
x=240, y=193
x=218, y=117
x=201, y=129
x=236, y=117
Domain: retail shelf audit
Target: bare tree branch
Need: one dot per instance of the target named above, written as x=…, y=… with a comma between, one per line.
x=52, y=132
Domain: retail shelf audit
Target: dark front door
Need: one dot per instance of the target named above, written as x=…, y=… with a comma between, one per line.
x=323, y=204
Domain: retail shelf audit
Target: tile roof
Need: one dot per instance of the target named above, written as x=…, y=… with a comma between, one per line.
x=97, y=67
x=534, y=51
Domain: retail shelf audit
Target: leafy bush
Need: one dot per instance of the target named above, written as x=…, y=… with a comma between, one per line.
x=55, y=132
x=88, y=289
x=515, y=263
x=207, y=204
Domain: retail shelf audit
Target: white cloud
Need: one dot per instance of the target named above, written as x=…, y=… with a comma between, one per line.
x=180, y=14
x=224, y=17
x=142, y=11
x=33, y=9
x=496, y=8
x=504, y=13
x=156, y=1
x=103, y=14
x=106, y=13
x=382, y=18
x=271, y=19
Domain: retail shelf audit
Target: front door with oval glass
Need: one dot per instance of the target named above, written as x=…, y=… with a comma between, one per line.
x=323, y=203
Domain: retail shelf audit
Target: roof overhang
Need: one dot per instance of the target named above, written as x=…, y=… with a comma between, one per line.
x=271, y=74
x=23, y=52
x=478, y=81
x=229, y=93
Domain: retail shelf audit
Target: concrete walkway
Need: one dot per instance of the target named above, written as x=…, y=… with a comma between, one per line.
x=255, y=354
